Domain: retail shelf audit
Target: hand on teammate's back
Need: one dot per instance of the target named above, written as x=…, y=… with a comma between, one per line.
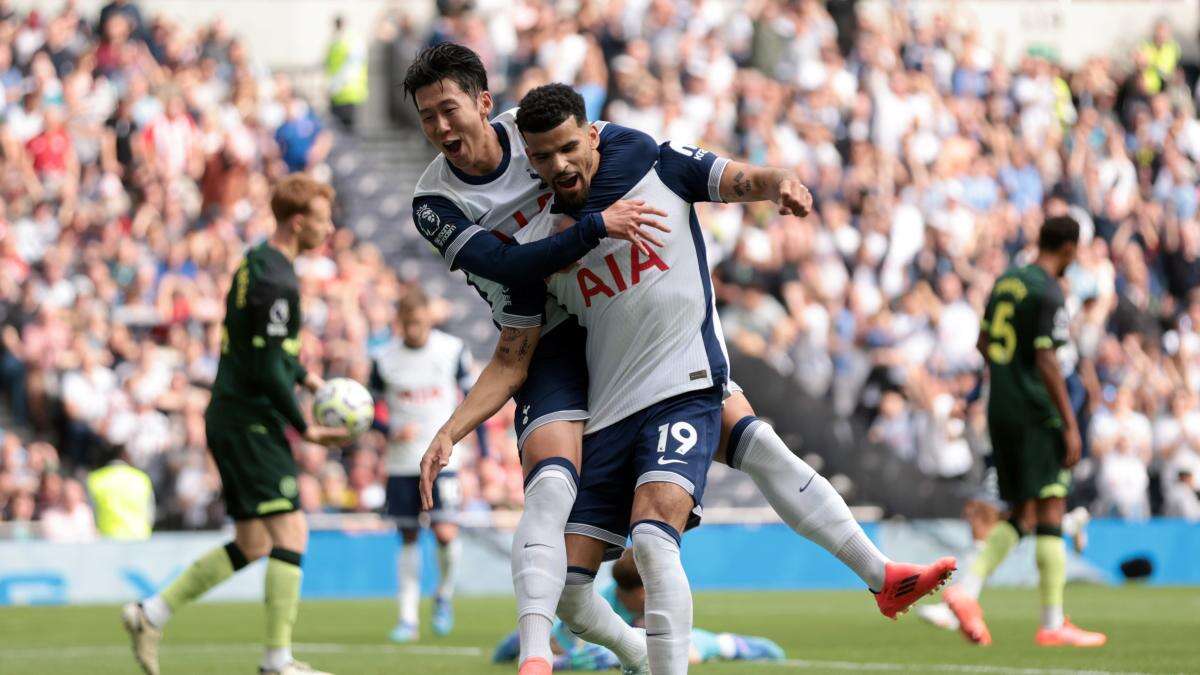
x=1073, y=447
x=327, y=435
x=626, y=219
x=794, y=198
x=436, y=458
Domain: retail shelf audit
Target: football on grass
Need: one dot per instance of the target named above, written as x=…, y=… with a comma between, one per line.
x=342, y=402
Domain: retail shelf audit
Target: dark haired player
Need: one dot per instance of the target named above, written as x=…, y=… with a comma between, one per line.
x=1035, y=438
x=657, y=369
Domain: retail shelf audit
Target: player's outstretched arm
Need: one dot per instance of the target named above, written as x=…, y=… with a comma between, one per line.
x=499, y=381
x=741, y=182
x=467, y=246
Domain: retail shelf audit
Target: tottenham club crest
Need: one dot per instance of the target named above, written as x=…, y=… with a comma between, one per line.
x=427, y=220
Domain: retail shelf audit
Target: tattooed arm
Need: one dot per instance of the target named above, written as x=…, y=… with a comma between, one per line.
x=498, y=382
x=742, y=182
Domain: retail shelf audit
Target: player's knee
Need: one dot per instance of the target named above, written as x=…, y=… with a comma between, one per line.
x=555, y=477
x=445, y=533
x=665, y=502
x=408, y=535
x=252, y=548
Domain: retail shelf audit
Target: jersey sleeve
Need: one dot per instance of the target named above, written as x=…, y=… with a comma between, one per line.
x=454, y=235
x=692, y=173
x=1052, y=325
x=525, y=306
x=275, y=322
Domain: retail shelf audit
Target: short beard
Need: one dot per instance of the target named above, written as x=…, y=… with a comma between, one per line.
x=572, y=202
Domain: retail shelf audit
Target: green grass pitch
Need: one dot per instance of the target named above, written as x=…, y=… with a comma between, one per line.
x=1150, y=630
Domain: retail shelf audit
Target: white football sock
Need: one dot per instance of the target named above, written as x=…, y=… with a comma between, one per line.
x=409, y=573
x=806, y=501
x=590, y=618
x=275, y=658
x=157, y=611
x=539, y=556
x=448, y=566
x=668, y=597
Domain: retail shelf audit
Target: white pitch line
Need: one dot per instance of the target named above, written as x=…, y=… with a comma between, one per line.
x=940, y=667
x=81, y=652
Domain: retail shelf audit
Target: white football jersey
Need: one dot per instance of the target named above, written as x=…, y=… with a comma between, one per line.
x=422, y=387
x=652, y=325
x=498, y=204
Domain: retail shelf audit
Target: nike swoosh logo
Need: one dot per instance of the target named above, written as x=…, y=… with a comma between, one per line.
x=663, y=461
x=649, y=634
x=531, y=545
x=810, y=480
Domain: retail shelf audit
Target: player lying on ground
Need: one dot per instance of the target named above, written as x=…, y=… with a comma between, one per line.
x=253, y=400
x=421, y=372
x=627, y=597
x=654, y=353
x=482, y=185
x=1035, y=438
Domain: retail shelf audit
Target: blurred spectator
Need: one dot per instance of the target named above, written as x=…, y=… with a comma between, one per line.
x=124, y=499
x=346, y=68
x=71, y=519
x=1183, y=498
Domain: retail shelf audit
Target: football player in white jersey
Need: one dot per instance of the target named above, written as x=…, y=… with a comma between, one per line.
x=421, y=373
x=470, y=201
x=656, y=355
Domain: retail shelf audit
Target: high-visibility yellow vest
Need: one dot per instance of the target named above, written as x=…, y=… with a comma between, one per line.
x=124, y=501
x=346, y=66
x=1162, y=62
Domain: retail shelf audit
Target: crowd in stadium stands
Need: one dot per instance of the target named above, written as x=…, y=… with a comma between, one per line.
x=932, y=162
x=136, y=155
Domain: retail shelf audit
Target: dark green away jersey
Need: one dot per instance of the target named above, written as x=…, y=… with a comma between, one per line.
x=259, y=369
x=1024, y=313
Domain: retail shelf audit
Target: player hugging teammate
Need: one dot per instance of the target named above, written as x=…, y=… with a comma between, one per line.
x=489, y=187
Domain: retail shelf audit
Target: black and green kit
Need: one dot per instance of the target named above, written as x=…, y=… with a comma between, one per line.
x=254, y=394
x=1025, y=313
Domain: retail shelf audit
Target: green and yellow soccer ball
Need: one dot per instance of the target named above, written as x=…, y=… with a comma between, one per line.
x=342, y=402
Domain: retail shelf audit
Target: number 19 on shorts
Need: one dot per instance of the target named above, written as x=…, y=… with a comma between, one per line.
x=684, y=436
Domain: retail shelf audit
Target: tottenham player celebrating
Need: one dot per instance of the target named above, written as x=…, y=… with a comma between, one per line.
x=484, y=180
x=470, y=201
x=421, y=373
x=657, y=367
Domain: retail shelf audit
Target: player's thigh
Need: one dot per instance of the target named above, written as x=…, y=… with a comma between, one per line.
x=254, y=459
x=1050, y=511
x=1045, y=475
x=586, y=552
x=733, y=410
x=602, y=504
x=1008, y=454
x=252, y=538
x=445, y=532
x=665, y=502
x=552, y=402
x=402, y=500
x=676, y=441
x=556, y=439
x=288, y=530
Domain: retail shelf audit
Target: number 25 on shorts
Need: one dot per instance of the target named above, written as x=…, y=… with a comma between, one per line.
x=683, y=433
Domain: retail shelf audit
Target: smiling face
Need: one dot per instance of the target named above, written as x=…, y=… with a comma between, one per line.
x=454, y=121
x=566, y=158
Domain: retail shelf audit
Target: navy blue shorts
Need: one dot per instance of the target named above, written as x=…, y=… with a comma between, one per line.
x=404, y=499
x=556, y=386
x=671, y=441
